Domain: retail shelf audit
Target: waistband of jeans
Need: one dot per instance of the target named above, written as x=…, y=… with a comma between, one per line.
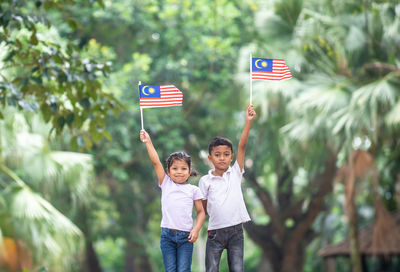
x=234, y=227
x=175, y=230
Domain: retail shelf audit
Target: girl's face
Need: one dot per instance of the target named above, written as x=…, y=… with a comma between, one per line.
x=179, y=171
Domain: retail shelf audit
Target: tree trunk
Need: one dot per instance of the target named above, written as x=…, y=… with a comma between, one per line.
x=283, y=246
x=133, y=220
x=293, y=256
x=136, y=259
x=92, y=261
x=354, y=242
x=265, y=264
x=351, y=213
x=330, y=265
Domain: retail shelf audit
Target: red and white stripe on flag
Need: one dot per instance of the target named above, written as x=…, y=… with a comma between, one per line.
x=169, y=96
x=279, y=72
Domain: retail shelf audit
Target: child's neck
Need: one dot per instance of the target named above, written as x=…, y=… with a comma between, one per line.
x=218, y=172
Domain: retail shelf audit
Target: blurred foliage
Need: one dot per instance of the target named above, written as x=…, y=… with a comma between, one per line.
x=33, y=175
x=344, y=95
x=40, y=71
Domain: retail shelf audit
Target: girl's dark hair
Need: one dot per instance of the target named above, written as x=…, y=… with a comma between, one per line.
x=181, y=156
x=219, y=141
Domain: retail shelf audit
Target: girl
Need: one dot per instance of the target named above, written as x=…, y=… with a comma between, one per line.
x=177, y=198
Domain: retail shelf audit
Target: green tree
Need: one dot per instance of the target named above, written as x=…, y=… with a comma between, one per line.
x=344, y=91
x=40, y=71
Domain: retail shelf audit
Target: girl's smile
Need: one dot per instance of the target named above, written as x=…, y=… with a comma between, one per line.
x=179, y=171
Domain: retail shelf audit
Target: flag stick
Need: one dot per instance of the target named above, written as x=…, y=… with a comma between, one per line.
x=251, y=82
x=141, y=110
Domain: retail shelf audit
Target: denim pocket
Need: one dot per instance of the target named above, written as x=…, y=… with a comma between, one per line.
x=164, y=232
x=183, y=236
x=239, y=234
x=212, y=234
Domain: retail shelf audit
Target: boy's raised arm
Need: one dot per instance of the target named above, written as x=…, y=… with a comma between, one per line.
x=145, y=137
x=250, y=115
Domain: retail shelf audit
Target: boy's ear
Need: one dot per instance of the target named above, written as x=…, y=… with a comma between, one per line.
x=209, y=157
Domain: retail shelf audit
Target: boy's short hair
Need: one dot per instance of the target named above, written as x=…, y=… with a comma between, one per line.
x=219, y=141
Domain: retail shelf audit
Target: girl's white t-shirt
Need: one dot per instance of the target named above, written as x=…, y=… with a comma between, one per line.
x=177, y=204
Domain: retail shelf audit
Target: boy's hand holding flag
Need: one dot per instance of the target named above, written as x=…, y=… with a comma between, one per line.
x=267, y=69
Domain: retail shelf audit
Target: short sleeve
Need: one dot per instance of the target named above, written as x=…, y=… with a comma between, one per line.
x=165, y=180
x=236, y=168
x=203, y=188
x=197, y=193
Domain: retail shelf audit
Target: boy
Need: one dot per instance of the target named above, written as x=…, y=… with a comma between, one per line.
x=224, y=202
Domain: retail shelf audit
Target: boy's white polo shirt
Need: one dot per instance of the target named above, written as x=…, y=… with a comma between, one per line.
x=225, y=203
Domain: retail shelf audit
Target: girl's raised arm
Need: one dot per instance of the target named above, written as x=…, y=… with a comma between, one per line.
x=160, y=172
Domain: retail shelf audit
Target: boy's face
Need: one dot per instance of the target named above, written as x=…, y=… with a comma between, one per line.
x=221, y=157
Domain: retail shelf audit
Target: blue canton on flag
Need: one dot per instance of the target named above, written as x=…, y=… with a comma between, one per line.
x=148, y=91
x=262, y=65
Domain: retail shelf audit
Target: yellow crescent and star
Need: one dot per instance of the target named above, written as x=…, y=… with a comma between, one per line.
x=151, y=90
x=264, y=64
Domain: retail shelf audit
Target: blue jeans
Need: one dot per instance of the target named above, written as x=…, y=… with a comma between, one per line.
x=176, y=250
x=229, y=238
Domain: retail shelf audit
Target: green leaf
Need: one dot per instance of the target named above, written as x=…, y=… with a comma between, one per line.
x=107, y=135
x=34, y=39
x=101, y=3
x=10, y=56
x=88, y=142
x=46, y=112
x=70, y=118
x=37, y=79
x=73, y=23
x=61, y=122
x=5, y=19
x=48, y=5
x=85, y=103
x=74, y=143
x=54, y=108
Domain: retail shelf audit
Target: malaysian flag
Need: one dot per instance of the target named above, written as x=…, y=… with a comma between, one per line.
x=269, y=69
x=154, y=96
